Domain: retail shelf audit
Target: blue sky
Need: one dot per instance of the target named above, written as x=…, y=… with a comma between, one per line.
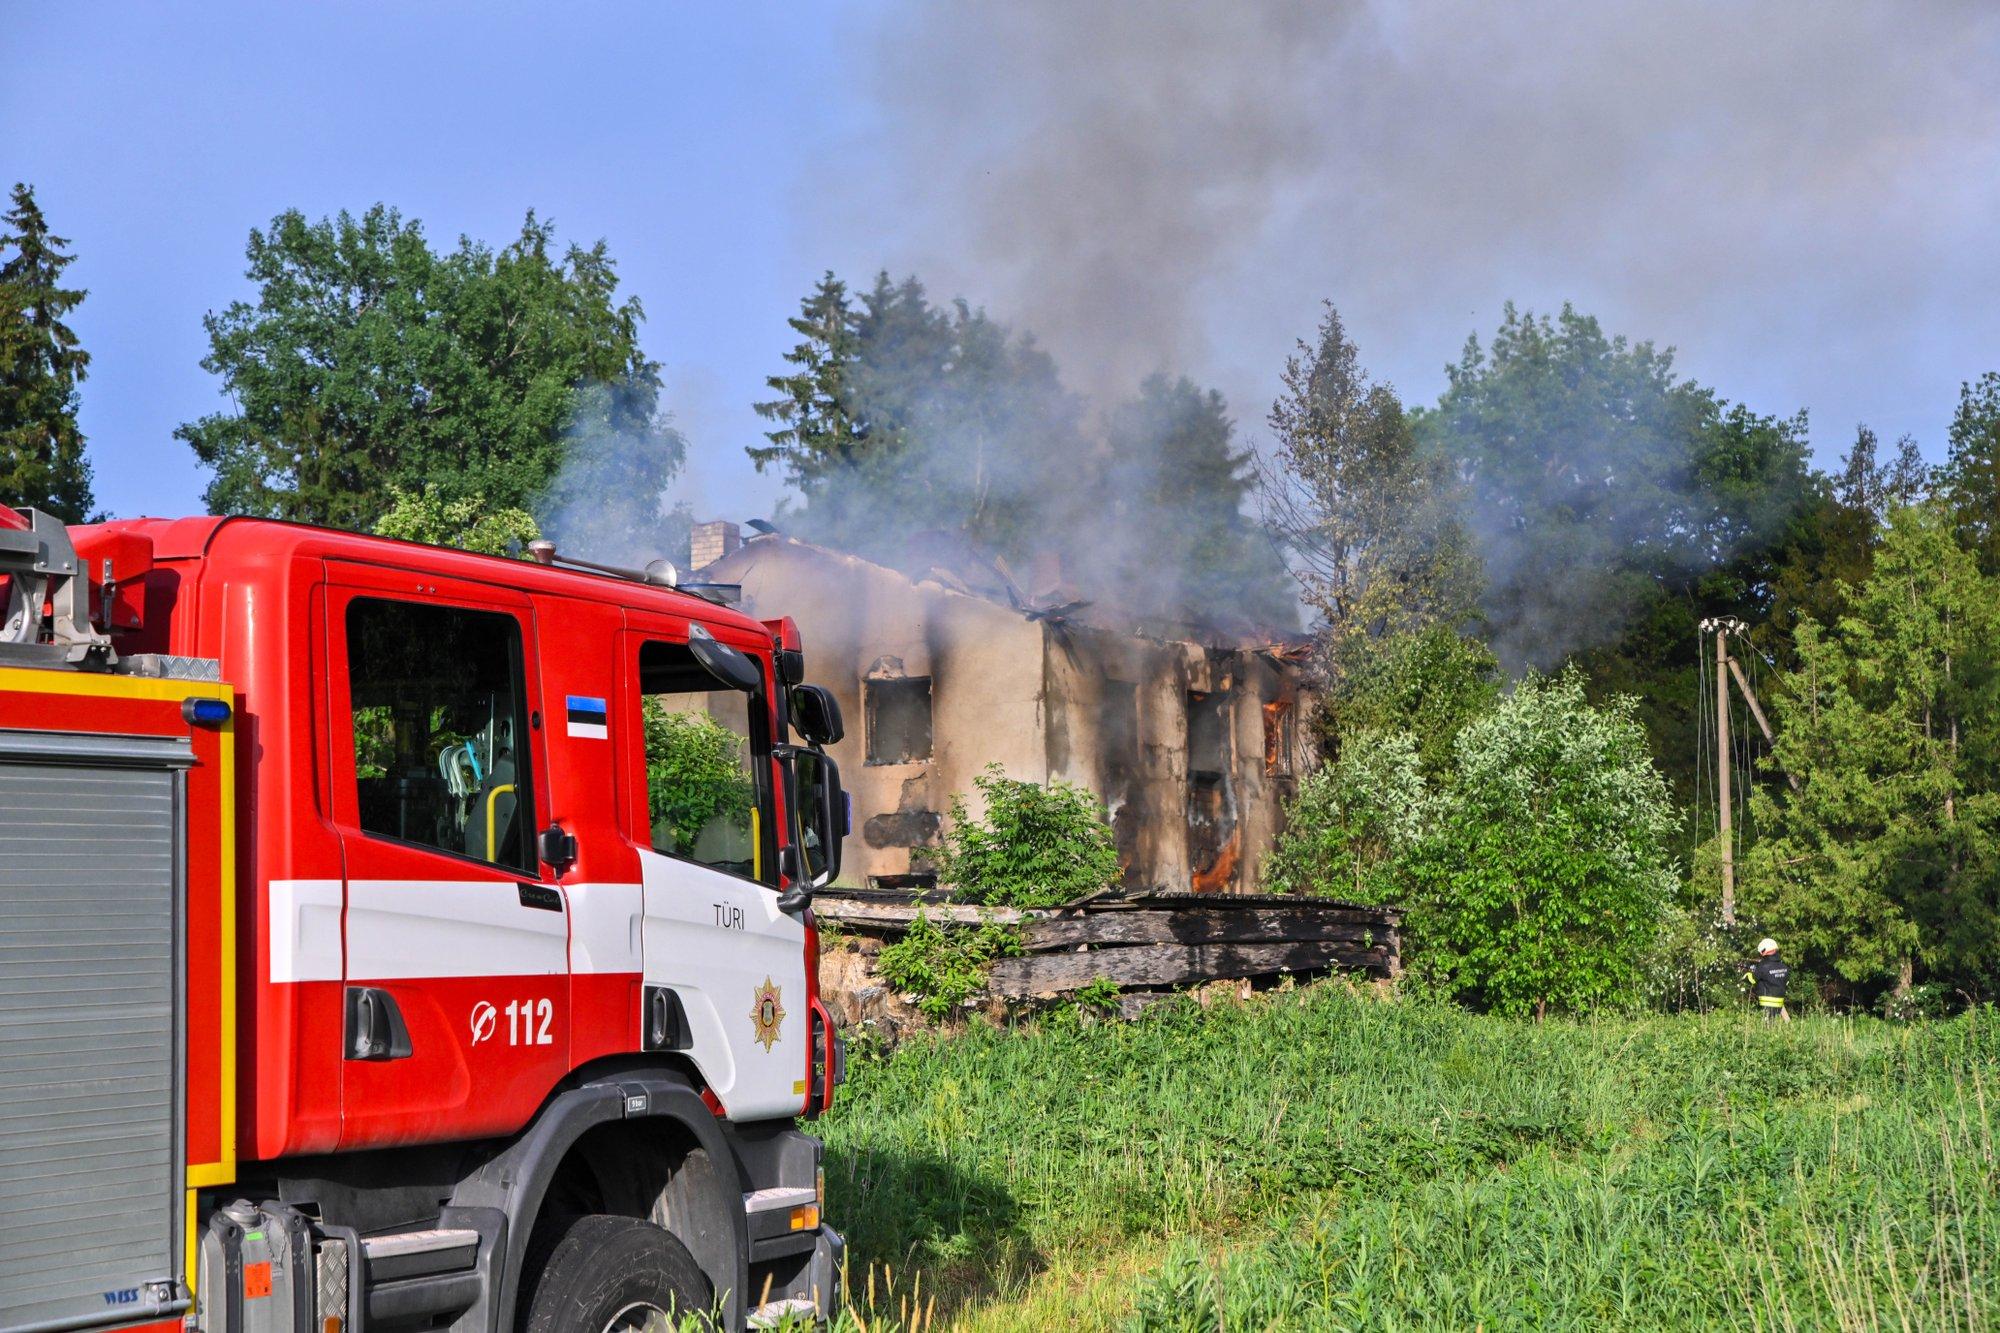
x=157, y=135
x=1803, y=201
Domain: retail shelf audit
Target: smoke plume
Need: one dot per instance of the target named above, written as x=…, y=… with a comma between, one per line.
x=1799, y=197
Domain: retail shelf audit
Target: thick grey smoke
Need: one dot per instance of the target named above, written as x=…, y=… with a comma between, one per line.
x=1801, y=197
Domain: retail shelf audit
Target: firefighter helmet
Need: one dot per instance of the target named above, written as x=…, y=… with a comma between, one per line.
x=1767, y=945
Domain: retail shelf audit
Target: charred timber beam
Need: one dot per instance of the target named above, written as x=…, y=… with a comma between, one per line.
x=1064, y=927
x=1174, y=965
x=1197, y=927
x=895, y=918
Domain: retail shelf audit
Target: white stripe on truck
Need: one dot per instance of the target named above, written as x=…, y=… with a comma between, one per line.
x=401, y=930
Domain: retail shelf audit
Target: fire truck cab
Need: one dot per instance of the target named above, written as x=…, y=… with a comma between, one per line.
x=397, y=938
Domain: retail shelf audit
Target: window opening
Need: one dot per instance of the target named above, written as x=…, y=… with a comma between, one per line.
x=1208, y=734
x=440, y=717
x=1279, y=733
x=1121, y=731
x=1213, y=842
x=899, y=720
x=703, y=787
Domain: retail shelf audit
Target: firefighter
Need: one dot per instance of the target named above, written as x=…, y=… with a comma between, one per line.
x=1767, y=977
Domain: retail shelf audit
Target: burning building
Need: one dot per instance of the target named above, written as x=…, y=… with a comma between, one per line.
x=1191, y=739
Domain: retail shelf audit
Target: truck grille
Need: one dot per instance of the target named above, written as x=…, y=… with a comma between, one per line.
x=90, y=893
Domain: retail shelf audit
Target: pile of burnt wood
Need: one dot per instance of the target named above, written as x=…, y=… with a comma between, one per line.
x=1149, y=945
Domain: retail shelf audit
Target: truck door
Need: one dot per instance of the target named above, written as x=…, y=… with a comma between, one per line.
x=456, y=985
x=703, y=822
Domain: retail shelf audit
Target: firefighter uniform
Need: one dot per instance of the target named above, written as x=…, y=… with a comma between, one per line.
x=1767, y=977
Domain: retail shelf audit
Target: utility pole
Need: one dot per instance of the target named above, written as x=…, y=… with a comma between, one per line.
x=1756, y=711
x=1722, y=628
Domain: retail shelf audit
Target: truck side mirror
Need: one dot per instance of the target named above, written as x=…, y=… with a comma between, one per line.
x=816, y=714
x=726, y=664
x=819, y=811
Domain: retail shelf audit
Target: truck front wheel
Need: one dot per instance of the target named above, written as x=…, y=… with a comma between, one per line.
x=617, y=1275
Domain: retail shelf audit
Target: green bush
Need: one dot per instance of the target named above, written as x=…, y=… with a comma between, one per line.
x=1697, y=961
x=1036, y=846
x=943, y=966
x=1543, y=884
x=469, y=523
x=1428, y=684
x=1535, y=873
x=1353, y=822
x=694, y=775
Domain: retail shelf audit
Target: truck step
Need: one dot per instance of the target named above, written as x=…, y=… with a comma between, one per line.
x=772, y=1200
x=773, y=1313
x=411, y=1254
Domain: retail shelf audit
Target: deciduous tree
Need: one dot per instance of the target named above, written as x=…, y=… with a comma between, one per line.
x=1369, y=513
x=467, y=523
x=1429, y=684
x=1598, y=480
x=1355, y=822
x=368, y=360
x=1545, y=882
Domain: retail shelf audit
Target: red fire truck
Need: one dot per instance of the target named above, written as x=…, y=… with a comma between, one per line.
x=398, y=938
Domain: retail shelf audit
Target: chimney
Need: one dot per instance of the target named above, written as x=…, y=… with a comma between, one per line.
x=709, y=542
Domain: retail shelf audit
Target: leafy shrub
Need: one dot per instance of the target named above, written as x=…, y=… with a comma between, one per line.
x=1697, y=961
x=469, y=523
x=945, y=965
x=1101, y=995
x=1427, y=684
x=1542, y=885
x=694, y=775
x=1353, y=821
x=1535, y=871
x=1928, y=999
x=1036, y=846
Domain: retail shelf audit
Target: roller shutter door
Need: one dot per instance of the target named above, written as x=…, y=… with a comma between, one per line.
x=90, y=892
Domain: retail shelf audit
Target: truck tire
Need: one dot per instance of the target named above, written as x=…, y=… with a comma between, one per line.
x=617, y=1275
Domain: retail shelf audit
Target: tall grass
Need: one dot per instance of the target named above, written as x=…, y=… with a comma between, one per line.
x=1322, y=1159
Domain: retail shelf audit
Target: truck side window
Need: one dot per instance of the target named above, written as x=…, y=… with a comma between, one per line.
x=704, y=797
x=440, y=723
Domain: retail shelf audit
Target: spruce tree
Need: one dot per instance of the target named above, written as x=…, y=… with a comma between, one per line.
x=908, y=418
x=1883, y=866
x=1971, y=474
x=41, y=450
x=1180, y=544
x=815, y=431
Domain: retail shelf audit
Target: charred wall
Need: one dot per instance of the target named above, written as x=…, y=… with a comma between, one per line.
x=903, y=658
x=936, y=684
x=1193, y=750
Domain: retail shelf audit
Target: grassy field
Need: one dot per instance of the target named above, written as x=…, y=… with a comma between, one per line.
x=1325, y=1159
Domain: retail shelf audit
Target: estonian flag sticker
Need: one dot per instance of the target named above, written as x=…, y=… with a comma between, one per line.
x=587, y=717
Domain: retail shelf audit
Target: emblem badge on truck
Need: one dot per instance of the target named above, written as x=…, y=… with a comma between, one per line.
x=767, y=1013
